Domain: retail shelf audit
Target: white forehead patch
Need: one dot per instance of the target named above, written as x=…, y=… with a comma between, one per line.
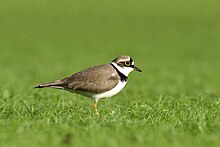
x=132, y=63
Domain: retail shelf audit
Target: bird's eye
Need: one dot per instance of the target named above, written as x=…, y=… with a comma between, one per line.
x=127, y=63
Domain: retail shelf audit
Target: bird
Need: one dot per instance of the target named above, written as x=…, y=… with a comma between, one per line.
x=97, y=82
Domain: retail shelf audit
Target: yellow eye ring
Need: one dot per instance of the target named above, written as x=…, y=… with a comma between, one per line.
x=127, y=63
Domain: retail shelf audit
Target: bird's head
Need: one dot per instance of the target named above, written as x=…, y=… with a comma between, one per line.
x=125, y=64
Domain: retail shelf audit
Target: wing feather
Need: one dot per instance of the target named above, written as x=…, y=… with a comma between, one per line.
x=96, y=79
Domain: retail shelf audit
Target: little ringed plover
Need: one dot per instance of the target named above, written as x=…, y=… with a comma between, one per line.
x=99, y=81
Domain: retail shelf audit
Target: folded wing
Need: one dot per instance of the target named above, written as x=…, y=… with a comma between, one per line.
x=96, y=79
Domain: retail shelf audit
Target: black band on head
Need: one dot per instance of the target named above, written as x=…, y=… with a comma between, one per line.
x=131, y=60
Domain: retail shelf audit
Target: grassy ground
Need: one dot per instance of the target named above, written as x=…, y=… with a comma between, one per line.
x=174, y=102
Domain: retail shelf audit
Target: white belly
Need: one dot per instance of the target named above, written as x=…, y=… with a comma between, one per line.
x=109, y=93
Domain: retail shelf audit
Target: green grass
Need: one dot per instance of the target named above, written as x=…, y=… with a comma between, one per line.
x=175, y=101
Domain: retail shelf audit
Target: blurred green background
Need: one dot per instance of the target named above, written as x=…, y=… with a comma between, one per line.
x=62, y=37
x=175, y=42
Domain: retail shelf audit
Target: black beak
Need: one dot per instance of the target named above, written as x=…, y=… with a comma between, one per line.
x=137, y=69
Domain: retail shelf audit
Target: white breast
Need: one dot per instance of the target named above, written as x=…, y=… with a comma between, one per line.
x=106, y=94
x=111, y=92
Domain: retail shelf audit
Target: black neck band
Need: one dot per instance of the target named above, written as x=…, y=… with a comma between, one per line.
x=121, y=75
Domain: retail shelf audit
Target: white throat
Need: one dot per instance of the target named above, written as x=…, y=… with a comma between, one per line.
x=124, y=70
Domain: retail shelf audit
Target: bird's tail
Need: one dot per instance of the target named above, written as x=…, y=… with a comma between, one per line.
x=55, y=84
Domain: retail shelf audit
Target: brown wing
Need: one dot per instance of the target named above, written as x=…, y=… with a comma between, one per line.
x=96, y=79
